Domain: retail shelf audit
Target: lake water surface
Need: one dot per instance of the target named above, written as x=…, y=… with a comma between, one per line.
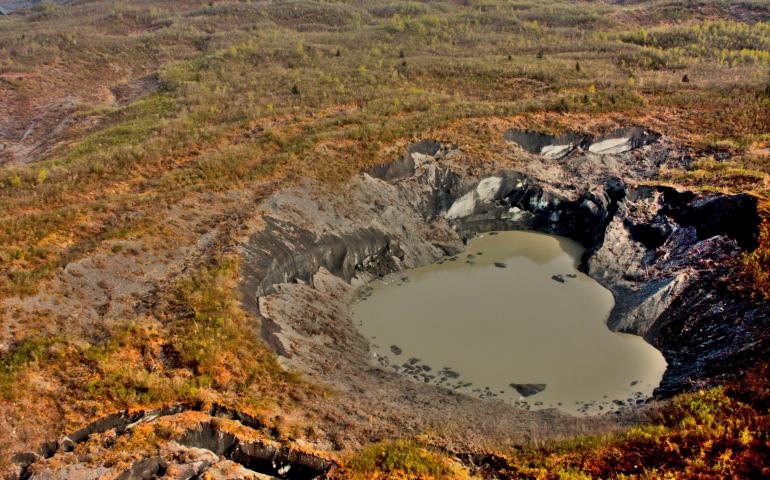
x=509, y=311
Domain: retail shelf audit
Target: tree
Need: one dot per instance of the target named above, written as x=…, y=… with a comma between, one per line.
x=295, y=90
x=339, y=53
x=685, y=79
x=401, y=54
x=577, y=66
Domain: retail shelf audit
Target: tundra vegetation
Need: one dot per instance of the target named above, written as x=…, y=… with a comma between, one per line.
x=186, y=99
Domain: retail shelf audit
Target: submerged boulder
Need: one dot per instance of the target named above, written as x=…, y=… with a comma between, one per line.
x=528, y=389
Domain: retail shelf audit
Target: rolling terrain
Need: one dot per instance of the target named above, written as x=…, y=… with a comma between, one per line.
x=187, y=189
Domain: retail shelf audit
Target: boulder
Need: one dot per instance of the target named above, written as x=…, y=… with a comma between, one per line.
x=528, y=389
x=732, y=215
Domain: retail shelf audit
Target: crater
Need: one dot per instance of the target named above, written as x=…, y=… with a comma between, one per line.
x=532, y=333
x=665, y=256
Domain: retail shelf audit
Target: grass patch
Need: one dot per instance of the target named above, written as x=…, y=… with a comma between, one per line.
x=201, y=347
x=255, y=91
x=207, y=347
x=757, y=263
x=28, y=353
x=212, y=335
x=402, y=459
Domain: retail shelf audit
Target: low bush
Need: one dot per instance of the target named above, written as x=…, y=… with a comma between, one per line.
x=401, y=459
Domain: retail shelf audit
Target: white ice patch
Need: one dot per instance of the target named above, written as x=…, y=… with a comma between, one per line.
x=554, y=152
x=484, y=193
x=538, y=202
x=611, y=146
x=591, y=206
x=488, y=188
x=462, y=207
x=516, y=214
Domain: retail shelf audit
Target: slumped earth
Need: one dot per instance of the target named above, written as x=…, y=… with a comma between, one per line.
x=507, y=317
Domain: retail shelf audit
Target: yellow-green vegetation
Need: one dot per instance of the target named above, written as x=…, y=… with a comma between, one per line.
x=204, y=347
x=757, y=263
x=28, y=352
x=711, y=434
x=247, y=91
x=401, y=459
x=200, y=346
x=169, y=100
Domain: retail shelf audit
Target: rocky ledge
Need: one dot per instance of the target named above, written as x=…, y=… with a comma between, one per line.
x=199, y=441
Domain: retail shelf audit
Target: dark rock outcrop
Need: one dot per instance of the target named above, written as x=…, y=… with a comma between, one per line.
x=709, y=332
x=295, y=253
x=732, y=215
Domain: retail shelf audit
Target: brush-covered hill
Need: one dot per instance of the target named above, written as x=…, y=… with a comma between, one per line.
x=139, y=141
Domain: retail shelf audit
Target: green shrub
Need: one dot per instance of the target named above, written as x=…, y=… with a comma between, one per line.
x=400, y=457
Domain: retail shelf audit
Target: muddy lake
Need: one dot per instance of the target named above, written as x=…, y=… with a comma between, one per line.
x=511, y=318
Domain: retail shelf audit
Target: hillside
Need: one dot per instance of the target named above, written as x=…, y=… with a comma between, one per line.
x=165, y=164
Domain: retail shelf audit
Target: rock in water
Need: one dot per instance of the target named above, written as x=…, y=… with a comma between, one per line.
x=395, y=350
x=558, y=278
x=528, y=389
x=500, y=265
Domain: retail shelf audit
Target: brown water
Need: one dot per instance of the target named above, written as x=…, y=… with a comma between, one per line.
x=473, y=326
